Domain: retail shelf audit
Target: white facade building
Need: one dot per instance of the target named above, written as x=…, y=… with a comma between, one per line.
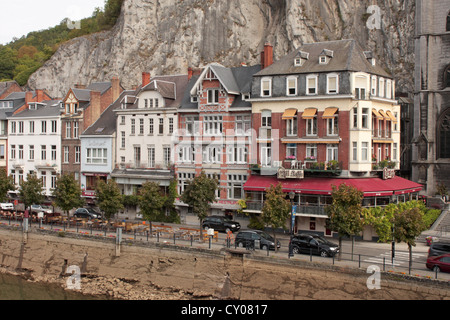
x=34, y=143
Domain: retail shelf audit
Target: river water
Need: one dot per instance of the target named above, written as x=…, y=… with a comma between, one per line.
x=16, y=288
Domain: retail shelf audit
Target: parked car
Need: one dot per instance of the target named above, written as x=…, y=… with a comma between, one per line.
x=438, y=249
x=87, y=213
x=313, y=243
x=247, y=238
x=220, y=223
x=7, y=206
x=36, y=208
x=439, y=263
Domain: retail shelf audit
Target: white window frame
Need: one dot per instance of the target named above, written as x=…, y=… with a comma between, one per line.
x=333, y=126
x=364, y=151
x=308, y=87
x=213, y=96
x=96, y=156
x=66, y=154
x=311, y=151
x=266, y=156
x=374, y=86
x=381, y=88
x=151, y=155
x=336, y=77
x=237, y=154
x=332, y=152
x=290, y=88
x=236, y=182
x=269, y=89
x=311, y=127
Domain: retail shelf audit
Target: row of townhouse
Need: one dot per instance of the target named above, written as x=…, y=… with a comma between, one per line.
x=323, y=115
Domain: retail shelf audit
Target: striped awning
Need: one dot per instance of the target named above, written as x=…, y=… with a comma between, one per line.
x=289, y=114
x=391, y=116
x=329, y=113
x=385, y=117
x=309, y=113
x=376, y=114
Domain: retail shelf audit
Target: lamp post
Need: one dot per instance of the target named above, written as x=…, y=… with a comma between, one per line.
x=291, y=197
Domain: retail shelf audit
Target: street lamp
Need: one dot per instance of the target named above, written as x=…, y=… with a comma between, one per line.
x=291, y=196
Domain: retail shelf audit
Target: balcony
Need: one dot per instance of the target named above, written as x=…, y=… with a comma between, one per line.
x=256, y=206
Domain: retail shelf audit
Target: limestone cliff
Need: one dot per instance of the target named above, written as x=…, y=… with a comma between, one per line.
x=167, y=36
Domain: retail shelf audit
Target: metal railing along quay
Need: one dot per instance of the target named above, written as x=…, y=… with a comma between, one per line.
x=183, y=236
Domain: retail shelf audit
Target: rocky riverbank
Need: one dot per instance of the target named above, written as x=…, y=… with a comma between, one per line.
x=157, y=273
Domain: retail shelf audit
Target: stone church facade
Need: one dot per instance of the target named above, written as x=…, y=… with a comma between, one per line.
x=431, y=144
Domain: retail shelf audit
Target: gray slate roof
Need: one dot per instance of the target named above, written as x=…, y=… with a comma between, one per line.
x=347, y=56
x=48, y=108
x=236, y=80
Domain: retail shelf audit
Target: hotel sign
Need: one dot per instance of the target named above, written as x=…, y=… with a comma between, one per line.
x=290, y=174
x=388, y=173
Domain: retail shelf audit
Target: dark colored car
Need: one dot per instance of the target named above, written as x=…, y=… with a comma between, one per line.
x=438, y=249
x=439, y=263
x=313, y=243
x=87, y=213
x=220, y=223
x=247, y=238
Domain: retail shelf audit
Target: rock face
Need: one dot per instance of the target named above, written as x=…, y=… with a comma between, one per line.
x=171, y=35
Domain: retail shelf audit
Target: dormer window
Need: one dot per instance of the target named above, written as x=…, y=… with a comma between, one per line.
x=194, y=99
x=325, y=56
x=369, y=56
x=300, y=58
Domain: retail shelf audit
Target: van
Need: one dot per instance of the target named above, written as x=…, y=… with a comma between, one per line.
x=247, y=238
x=438, y=249
x=7, y=206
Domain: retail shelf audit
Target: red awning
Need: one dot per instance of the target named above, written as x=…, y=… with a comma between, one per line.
x=370, y=186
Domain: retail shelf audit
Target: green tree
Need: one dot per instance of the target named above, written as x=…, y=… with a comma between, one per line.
x=152, y=201
x=199, y=193
x=109, y=197
x=67, y=193
x=408, y=225
x=6, y=184
x=169, y=204
x=345, y=212
x=30, y=191
x=276, y=209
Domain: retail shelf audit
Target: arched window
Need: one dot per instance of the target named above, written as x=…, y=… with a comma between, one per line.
x=448, y=22
x=444, y=136
x=447, y=77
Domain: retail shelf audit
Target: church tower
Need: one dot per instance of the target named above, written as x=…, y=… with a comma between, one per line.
x=431, y=144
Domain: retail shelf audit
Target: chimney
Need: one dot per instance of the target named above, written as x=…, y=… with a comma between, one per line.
x=28, y=97
x=268, y=55
x=190, y=73
x=80, y=86
x=115, y=82
x=94, y=111
x=40, y=95
x=145, y=78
